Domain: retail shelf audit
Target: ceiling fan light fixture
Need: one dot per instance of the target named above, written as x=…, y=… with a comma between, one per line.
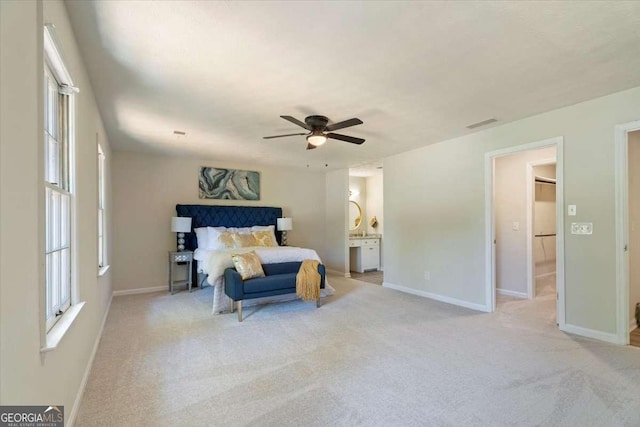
x=320, y=130
x=316, y=139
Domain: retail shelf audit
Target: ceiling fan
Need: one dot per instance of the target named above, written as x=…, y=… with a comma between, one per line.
x=320, y=130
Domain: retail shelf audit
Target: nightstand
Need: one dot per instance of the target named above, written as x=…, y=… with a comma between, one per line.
x=174, y=259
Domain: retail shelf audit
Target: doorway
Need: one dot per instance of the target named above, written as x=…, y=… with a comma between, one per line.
x=628, y=231
x=366, y=224
x=511, y=229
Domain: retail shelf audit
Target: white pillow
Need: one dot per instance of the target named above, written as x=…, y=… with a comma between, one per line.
x=202, y=234
x=214, y=233
x=270, y=228
x=263, y=227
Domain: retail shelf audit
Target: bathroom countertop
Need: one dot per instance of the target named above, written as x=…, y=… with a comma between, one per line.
x=368, y=236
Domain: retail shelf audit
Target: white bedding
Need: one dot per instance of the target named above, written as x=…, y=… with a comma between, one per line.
x=215, y=262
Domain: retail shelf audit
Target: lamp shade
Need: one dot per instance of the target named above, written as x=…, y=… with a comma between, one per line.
x=285, y=224
x=180, y=224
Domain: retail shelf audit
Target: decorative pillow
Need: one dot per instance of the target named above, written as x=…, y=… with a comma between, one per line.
x=268, y=228
x=244, y=240
x=226, y=240
x=214, y=238
x=202, y=234
x=265, y=238
x=248, y=265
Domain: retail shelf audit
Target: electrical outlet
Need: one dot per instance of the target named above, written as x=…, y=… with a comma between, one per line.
x=515, y=226
x=427, y=275
x=581, y=228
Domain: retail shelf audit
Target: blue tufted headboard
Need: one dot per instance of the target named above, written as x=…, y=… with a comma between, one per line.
x=226, y=216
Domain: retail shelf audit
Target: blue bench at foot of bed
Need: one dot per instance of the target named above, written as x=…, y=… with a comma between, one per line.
x=279, y=279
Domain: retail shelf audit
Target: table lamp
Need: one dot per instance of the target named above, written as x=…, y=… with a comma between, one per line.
x=180, y=225
x=284, y=225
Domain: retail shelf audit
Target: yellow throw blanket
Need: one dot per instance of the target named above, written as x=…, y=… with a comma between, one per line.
x=308, y=280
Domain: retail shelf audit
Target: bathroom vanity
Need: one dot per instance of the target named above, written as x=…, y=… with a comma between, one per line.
x=364, y=253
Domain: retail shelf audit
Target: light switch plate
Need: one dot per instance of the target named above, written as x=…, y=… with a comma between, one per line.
x=571, y=211
x=581, y=228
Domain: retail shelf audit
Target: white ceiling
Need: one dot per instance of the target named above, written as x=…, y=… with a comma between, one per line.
x=416, y=73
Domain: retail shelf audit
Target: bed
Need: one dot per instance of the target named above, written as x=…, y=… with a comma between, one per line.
x=210, y=265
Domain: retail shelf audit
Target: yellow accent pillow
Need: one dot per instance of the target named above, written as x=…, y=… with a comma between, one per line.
x=264, y=238
x=244, y=240
x=248, y=265
x=226, y=239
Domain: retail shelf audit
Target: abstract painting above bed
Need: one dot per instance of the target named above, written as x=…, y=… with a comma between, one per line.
x=232, y=184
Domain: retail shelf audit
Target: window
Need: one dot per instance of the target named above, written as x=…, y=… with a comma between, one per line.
x=58, y=188
x=102, y=217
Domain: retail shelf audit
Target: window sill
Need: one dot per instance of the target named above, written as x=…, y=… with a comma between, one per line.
x=103, y=270
x=55, y=335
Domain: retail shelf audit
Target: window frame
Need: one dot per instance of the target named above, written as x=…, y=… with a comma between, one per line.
x=58, y=201
x=103, y=255
x=59, y=234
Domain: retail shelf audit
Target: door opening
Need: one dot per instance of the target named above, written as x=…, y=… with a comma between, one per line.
x=628, y=231
x=525, y=243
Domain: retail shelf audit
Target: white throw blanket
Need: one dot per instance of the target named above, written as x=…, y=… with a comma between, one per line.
x=215, y=262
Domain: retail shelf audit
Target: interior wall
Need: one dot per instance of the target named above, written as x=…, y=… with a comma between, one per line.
x=434, y=208
x=148, y=187
x=358, y=193
x=375, y=201
x=544, y=222
x=29, y=376
x=634, y=223
x=336, y=216
x=510, y=204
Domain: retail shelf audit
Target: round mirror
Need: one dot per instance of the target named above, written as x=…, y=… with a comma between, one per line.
x=355, y=215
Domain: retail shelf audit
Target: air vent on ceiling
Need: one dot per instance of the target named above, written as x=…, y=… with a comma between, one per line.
x=482, y=123
x=179, y=132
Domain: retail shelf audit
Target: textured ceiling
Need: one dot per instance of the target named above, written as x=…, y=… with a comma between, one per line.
x=416, y=73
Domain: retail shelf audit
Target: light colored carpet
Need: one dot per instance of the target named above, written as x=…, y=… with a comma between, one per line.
x=369, y=356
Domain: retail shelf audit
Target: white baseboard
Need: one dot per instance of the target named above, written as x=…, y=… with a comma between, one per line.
x=441, y=298
x=509, y=293
x=140, y=290
x=591, y=333
x=76, y=404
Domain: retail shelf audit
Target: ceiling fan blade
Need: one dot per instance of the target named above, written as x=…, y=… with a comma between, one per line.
x=296, y=121
x=344, y=124
x=351, y=139
x=280, y=136
x=311, y=147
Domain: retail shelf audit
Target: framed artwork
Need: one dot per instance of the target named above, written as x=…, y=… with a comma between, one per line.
x=231, y=184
